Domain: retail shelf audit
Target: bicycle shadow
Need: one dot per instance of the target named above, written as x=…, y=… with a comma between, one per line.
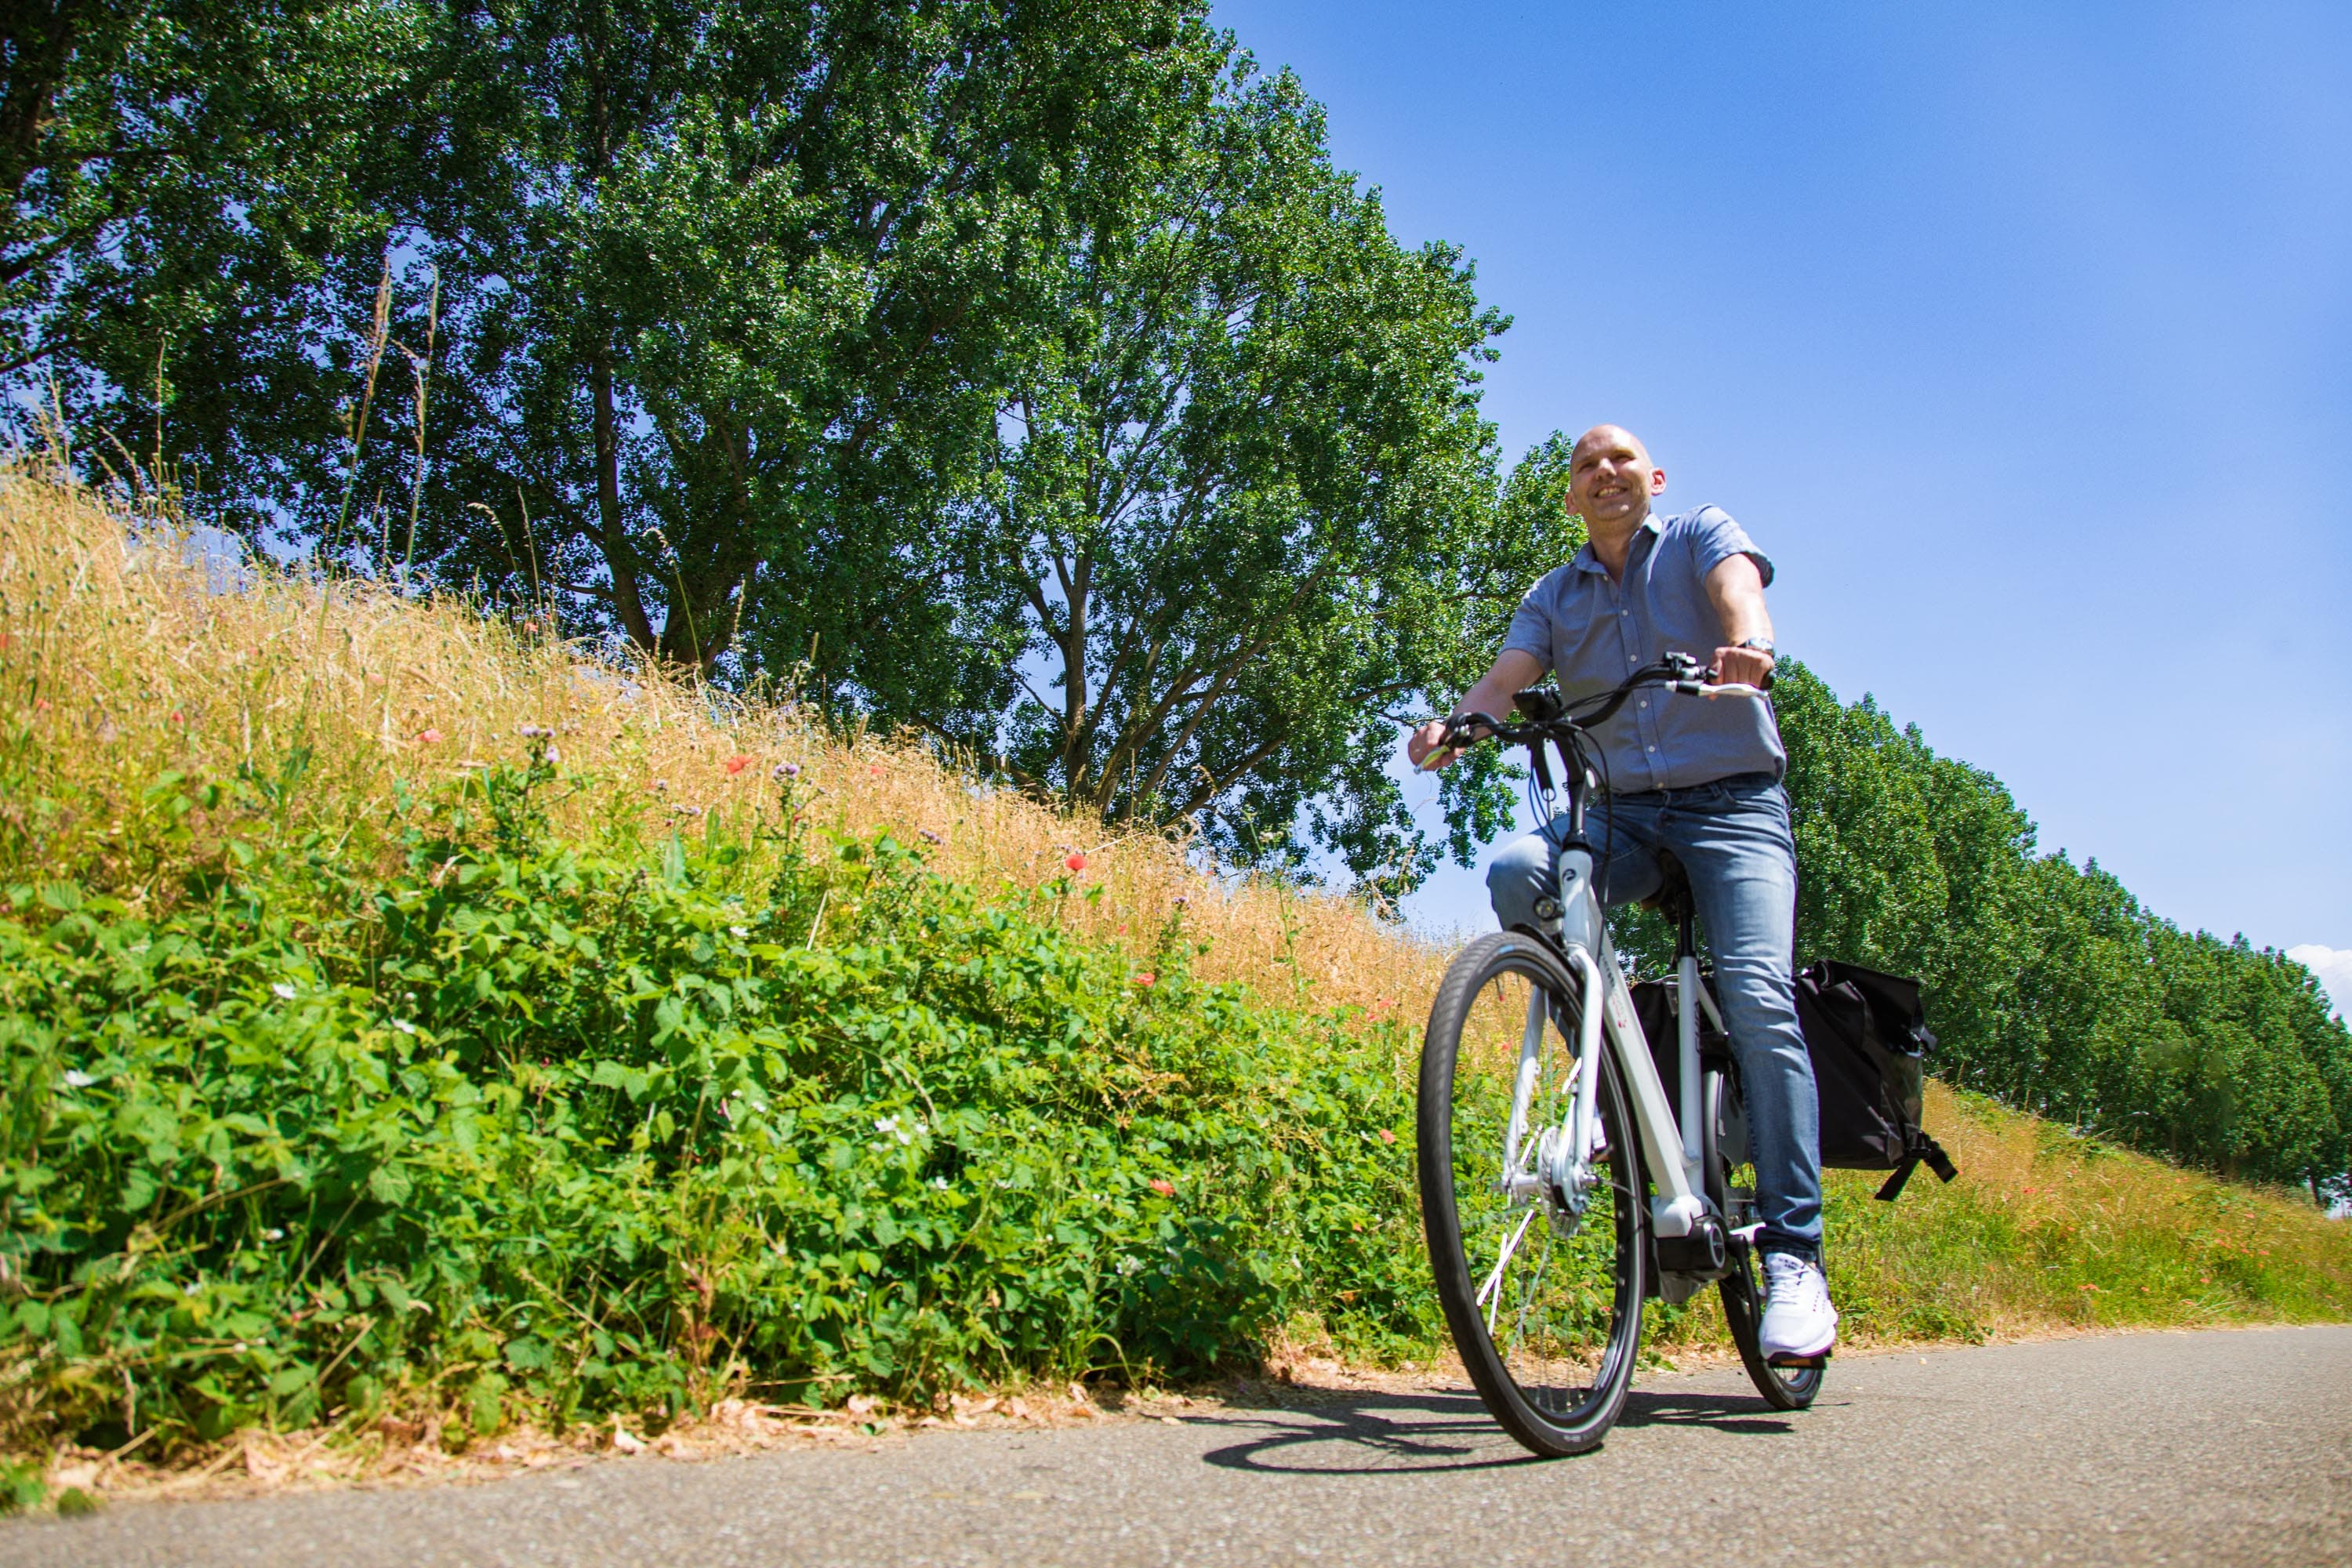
x=1441, y=1431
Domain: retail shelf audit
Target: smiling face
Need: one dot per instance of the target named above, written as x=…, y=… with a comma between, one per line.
x=1610, y=480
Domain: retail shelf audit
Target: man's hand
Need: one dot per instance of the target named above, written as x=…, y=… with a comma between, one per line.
x=1742, y=665
x=1431, y=738
x=1513, y=669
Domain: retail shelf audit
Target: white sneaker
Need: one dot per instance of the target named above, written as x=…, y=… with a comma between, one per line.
x=1797, y=1317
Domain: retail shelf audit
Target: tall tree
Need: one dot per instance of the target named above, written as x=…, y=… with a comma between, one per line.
x=733, y=317
x=1236, y=480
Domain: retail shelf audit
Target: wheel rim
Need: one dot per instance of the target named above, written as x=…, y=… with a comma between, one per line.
x=1556, y=1314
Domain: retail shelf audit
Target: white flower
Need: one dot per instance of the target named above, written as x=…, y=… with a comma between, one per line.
x=273, y=1233
x=740, y=930
x=1131, y=1265
x=890, y=1127
x=285, y=992
x=78, y=1079
x=940, y=1183
x=404, y=1026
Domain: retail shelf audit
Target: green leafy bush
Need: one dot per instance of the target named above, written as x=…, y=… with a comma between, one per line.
x=533, y=1127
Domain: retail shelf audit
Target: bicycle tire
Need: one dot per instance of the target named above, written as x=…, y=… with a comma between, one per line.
x=1783, y=1388
x=1557, y=1379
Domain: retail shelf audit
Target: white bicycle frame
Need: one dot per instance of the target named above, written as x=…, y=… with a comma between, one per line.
x=1673, y=1146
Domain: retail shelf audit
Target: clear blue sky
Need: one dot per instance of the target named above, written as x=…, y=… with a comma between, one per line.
x=2020, y=336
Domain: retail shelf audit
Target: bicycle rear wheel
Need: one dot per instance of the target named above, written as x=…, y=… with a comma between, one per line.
x=1544, y=1301
x=1783, y=1387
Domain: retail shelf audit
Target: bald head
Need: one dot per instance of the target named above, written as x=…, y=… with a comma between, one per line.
x=1604, y=437
x=1610, y=480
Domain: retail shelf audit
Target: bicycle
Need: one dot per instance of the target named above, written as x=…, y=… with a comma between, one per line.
x=1566, y=1135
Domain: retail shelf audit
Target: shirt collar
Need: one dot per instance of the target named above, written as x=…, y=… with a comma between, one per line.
x=1585, y=561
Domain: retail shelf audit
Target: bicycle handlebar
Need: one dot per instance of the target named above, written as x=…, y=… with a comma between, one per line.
x=1554, y=720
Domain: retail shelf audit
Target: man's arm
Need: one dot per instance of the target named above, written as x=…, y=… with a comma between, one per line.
x=1514, y=669
x=1737, y=590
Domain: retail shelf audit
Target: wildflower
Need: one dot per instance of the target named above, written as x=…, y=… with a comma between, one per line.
x=1163, y=1186
x=78, y=1079
x=1181, y=903
x=875, y=769
x=740, y=930
x=430, y=737
x=928, y=837
x=40, y=704
x=285, y=993
x=552, y=755
x=1145, y=979
x=178, y=717
x=786, y=771
x=890, y=1127
x=1387, y=1136
x=536, y=732
x=659, y=786
x=1077, y=860
x=737, y=764
x=275, y=1232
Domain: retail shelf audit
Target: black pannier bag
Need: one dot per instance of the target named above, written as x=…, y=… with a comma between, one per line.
x=1870, y=1042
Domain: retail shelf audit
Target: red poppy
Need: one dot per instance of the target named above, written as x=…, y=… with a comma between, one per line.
x=737, y=764
x=1387, y=1136
x=1147, y=979
x=1163, y=1186
x=430, y=737
x=1077, y=860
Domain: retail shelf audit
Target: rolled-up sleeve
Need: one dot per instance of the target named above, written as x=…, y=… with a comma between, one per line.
x=1531, y=624
x=1717, y=538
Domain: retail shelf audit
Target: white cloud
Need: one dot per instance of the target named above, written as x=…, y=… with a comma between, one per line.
x=2334, y=968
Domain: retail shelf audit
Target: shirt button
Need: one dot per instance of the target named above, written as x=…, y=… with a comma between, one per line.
x=1645, y=702
x=1654, y=748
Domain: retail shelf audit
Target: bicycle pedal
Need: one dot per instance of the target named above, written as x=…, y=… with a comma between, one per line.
x=1798, y=1363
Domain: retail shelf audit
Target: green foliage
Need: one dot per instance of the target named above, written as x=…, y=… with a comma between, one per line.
x=532, y=1129
x=1238, y=470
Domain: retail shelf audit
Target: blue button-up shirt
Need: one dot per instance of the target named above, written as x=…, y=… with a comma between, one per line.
x=1594, y=633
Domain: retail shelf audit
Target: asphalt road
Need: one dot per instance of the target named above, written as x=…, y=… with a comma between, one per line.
x=2211, y=1448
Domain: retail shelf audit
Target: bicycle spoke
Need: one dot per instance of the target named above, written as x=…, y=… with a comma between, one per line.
x=1493, y=1287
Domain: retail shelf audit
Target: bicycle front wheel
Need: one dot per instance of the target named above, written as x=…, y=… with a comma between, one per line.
x=1542, y=1291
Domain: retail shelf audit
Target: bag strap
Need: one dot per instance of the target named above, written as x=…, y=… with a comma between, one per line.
x=1923, y=1150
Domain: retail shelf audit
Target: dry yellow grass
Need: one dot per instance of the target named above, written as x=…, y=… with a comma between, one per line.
x=120, y=666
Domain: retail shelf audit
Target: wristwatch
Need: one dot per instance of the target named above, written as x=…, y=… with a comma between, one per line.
x=1763, y=646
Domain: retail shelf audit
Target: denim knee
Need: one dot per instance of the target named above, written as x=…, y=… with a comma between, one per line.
x=1519, y=874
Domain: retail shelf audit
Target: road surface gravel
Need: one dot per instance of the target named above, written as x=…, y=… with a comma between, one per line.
x=2203, y=1449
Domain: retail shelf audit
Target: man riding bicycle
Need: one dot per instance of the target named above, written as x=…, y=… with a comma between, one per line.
x=1700, y=781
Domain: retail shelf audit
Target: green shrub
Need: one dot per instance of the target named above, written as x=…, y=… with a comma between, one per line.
x=533, y=1124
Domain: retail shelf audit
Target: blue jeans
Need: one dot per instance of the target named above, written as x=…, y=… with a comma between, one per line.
x=1732, y=837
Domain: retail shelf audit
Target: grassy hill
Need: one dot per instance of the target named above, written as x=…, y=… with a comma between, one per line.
x=409, y=1020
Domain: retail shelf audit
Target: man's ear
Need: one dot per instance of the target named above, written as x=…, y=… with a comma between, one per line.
x=1657, y=481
